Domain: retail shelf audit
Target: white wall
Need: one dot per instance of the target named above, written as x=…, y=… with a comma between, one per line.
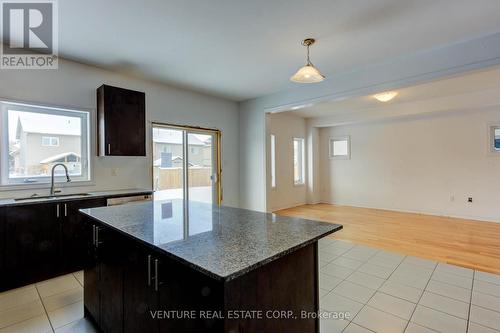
x=391, y=74
x=285, y=127
x=74, y=84
x=417, y=164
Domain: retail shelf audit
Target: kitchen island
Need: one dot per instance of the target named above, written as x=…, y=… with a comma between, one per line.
x=175, y=266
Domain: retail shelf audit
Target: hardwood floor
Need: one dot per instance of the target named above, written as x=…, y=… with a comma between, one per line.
x=467, y=243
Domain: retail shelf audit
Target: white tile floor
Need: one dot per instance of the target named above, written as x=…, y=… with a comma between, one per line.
x=55, y=305
x=384, y=292
x=388, y=292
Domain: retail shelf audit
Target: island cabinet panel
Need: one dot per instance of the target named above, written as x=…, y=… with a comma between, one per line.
x=139, y=294
x=289, y=283
x=75, y=243
x=184, y=289
x=121, y=117
x=103, y=279
x=33, y=246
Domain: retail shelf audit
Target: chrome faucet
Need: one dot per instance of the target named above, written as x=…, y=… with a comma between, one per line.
x=52, y=189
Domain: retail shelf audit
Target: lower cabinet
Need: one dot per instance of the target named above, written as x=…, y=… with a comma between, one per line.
x=44, y=240
x=129, y=282
x=139, y=294
x=103, y=279
x=74, y=242
x=2, y=250
x=32, y=248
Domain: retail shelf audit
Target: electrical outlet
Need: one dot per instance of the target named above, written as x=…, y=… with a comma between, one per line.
x=469, y=199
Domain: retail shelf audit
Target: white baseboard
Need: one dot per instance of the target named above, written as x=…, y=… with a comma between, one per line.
x=273, y=209
x=422, y=212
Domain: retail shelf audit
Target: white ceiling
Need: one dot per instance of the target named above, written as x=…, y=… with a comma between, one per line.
x=439, y=94
x=243, y=49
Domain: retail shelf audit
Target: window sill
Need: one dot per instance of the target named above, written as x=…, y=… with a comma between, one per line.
x=299, y=184
x=19, y=187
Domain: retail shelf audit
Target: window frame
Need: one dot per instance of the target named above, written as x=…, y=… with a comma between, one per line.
x=272, y=153
x=50, y=138
x=302, y=180
x=491, y=138
x=331, y=142
x=87, y=122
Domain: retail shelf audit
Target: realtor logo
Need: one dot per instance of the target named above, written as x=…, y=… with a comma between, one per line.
x=29, y=31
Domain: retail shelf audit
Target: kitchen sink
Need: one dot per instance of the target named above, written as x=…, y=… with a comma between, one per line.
x=36, y=197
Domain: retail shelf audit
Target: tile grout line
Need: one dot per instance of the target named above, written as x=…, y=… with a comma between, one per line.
x=345, y=279
x=376, y=290
x=44, y=309
x=470, y=302
x=423, y=291
x=420, y=298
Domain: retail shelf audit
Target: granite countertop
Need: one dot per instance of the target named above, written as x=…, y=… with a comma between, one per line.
x=76, y=196
x=222, y=242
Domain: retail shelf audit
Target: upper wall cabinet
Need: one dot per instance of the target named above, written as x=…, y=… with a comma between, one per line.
x=121, y=116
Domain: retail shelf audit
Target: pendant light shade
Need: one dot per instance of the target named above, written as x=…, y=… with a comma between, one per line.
x=308, y=73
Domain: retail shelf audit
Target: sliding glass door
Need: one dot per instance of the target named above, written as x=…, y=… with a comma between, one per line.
x=186, y=163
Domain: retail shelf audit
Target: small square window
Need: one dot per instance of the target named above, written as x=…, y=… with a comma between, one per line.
x=340, y=148
x=494, y=138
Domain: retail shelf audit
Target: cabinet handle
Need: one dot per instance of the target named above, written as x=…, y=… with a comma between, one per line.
x=149, y=270
x=156, y=275
x=93, y=235
x=109, y=148
x=65, y=209
x=97, y=242
x=57, y=210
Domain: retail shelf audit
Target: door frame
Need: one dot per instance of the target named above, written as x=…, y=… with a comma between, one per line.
x=217, y=156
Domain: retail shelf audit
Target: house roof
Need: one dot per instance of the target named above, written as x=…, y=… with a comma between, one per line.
x=174, y=137
x=57, y=157
x=48, y=124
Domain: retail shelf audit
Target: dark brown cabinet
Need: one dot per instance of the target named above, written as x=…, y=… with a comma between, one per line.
x=32, y=247
x=139, y=294
x=74, y=243
x=129, y=282
x=103, y=279
x=44, y=240
x=121, y=115
x=2, y=250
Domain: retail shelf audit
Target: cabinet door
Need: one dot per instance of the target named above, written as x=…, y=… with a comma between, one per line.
x=2, y=250
x=183, y=288
x=124, y=122
x=32, y=248
x=139, y=296
x=111, y=263
x=91, y=274
x=75, y=240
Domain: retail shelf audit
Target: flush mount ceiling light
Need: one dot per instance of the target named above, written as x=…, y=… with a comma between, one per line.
x=385, y=96
x=308, y=73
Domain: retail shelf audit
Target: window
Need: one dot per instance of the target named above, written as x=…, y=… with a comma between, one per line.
x=494, y=141
x=273, y=161
x=340, y=148
x=50, y=141
x=34, y=138
x=298, y=161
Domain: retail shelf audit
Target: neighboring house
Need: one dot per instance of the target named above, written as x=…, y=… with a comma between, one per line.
x=43, y=143
x=168, y=144
x=169, y=159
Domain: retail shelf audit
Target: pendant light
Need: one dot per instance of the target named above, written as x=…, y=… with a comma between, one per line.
x=308, y=73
